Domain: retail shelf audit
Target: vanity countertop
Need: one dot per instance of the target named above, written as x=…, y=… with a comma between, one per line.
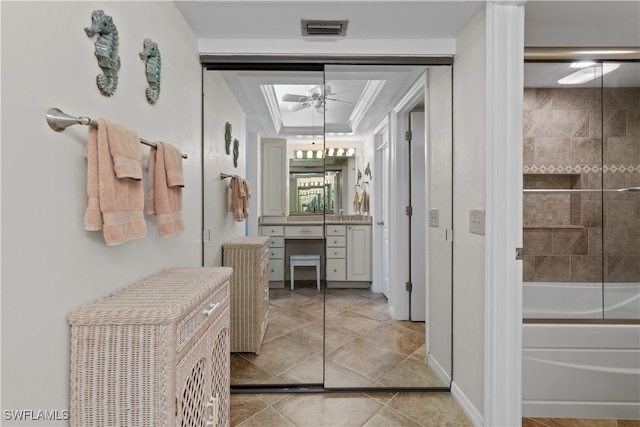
x=316, y=220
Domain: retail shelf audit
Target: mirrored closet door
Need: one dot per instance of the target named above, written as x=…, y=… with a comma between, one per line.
x=322, y=144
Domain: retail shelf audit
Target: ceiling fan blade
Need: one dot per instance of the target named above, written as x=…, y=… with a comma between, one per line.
x=299, y=106
x=289, y=97
x=338, y=100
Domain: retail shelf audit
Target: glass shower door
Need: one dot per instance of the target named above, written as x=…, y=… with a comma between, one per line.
x=621, y=181
x=581, y=190
x=562, y=201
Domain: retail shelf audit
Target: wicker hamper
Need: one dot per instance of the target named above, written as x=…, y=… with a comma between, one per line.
x=249, y=289
x=155, y=353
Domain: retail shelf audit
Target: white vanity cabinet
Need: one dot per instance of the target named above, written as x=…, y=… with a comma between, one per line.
x=336, y=252
x=276, y=253
x=358, y=253
x=348, y=249
x=275, y=178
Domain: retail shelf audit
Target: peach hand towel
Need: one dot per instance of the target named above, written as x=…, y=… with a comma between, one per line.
x=165, y=188
x=246, y=195
x=237, y=191
x=114, y=183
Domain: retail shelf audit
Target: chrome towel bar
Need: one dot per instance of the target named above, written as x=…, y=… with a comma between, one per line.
x=59, y=121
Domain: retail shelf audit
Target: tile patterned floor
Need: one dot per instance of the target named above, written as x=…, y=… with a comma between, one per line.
x=357, y=326
x=364, y=346
x=430, y=409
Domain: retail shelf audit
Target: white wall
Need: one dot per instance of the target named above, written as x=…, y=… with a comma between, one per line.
x=469, y=193
x=50, y=264
x=220, y=107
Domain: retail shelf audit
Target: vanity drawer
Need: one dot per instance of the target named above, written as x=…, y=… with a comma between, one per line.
x=336, y=230
x=336, y=269
x=336, y=241
x=276, y=253
x=273, y=230
x=276, y=270
x=336, y=253
x=303, y=231
x=276, y=242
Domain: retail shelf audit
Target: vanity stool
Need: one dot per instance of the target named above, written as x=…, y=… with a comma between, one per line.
x=305, y=260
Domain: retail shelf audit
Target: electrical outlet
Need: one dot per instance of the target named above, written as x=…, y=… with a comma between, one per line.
x=476, y=222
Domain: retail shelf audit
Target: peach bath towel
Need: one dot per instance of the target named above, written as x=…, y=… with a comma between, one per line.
x=165, y=188
x=114, y=183
x=240, y=196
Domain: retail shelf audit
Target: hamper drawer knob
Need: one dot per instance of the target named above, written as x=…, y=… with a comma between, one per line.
x=212, y=308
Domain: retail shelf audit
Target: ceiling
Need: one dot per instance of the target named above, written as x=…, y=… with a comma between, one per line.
x=366, y=93
x=360, y=97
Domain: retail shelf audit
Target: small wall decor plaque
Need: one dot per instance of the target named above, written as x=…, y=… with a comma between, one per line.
x=227, y=137
x=106, y=50
x=236, y=152
x=151, y=54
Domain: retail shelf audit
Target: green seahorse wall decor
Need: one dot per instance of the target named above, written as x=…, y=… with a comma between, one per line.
x=106, y=50
x=151, y=54
x=227, y=137
x=236, y=152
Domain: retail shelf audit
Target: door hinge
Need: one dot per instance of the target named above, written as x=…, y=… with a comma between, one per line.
x=409, y=286
x=519, y=254
x=408, y=135
x=409, y=210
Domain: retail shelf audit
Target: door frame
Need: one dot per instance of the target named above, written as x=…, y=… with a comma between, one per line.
x=399, y=200
x=378, y=235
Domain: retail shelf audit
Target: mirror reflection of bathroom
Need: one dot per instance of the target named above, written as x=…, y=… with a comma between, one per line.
x=318, y=150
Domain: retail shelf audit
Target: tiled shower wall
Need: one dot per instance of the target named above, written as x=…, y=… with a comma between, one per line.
x=568, y=133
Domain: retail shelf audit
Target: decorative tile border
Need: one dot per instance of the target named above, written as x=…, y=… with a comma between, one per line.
x=579, y=168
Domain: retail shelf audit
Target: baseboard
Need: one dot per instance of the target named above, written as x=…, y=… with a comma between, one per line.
x=435, y=366
x=557, y=409
x=470, y=411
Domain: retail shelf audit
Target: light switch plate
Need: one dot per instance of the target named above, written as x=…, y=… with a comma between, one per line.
x=434, y=217
x=476, y=222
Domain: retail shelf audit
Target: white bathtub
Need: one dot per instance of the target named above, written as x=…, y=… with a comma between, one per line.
x=581, y=300
x=583, y=370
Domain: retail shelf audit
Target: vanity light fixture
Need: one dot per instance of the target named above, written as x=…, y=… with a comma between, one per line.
x=309, y=154
x=299, y=154
x=341, y=151
x=589, y=73
x=319, y=154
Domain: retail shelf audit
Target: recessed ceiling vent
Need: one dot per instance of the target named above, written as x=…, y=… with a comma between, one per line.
x=311, y=28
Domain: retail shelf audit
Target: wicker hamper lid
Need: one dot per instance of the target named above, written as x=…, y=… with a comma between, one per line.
x=159, y=298
x=247, y=241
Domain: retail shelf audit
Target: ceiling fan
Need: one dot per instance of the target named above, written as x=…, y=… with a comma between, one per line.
x=316, y=97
